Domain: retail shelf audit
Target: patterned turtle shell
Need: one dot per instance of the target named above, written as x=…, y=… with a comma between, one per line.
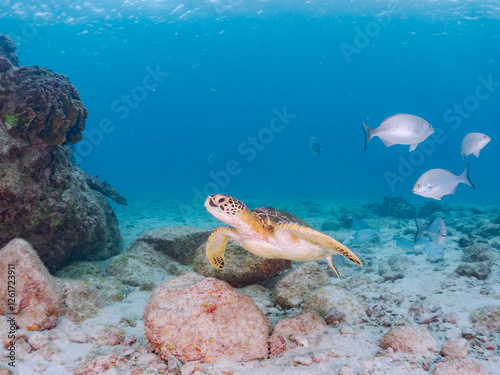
x=272, y=216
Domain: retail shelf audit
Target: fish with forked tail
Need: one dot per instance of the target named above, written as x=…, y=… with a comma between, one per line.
x=438, y=182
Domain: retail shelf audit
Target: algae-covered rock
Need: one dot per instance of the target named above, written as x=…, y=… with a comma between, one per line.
x=204, y=321
x=81, y=299
x=479, y=270
x=331, y=297
x=143, y=266
x=241, y=267
x=294, y=287
x=178, y=242
x=487, y=318
x=461, y=366
x=81, y=270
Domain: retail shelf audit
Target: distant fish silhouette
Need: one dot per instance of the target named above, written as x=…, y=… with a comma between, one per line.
x=211, y=158
x=435, y=231
x=404, y=243
x=358, y=223
x=434, y=251
x=314, y=145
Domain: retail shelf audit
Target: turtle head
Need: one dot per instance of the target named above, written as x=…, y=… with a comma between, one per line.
x=225, y=208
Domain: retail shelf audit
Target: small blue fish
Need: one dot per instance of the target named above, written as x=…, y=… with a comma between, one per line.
x=435, y=231
x=314, y=145
x=434, y=251
x=358, y=223
x=404, y=243
x=365, y=235
x=211, y=158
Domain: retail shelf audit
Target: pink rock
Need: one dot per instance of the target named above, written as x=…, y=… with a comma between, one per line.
x=37, y=298
x=462, y=366
x=455, y=348
x=204, y=321
x=277, y=344
x=99, y=365
x=414, y=340
x=305, y=323
x=127, y=341
x=106, y=335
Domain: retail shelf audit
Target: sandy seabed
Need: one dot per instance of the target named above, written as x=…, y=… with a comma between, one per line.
x=434, y=288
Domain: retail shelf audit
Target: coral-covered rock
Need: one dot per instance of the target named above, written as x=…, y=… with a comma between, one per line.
x=205, y=320
x=294, y=287
x=143, y=266
x=81, y=270
x=413, y=340
x=105, y=335
x=178, y=242
x=8, y=49
x=330, y=297
x=457, y=347
x=487, y=318
x=43, y=197
x=81, y=299
x=37, y=298
x=277, y=344
x=479, y=270
x=487, y=231
x=463, y=366
x=430, y=207
x=101, y=364
x=394, y=207
x=241, y=267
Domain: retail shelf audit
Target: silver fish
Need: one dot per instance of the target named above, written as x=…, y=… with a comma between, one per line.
x=358, y=223
x=404, y=243
x=473, y=143
x=435, y=231
x=438, y=182
x=365, y=235
x=400, y=129
x=434, y=251
x=314, y=145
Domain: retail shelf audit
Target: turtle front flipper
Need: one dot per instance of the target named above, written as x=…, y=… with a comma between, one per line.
x=321, y=239
x=216, y=245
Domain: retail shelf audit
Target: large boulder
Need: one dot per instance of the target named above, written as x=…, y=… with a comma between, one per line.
x=487, y=318
x=27, y=283
x=241, y=267
x=203, y=319
x=44, y=198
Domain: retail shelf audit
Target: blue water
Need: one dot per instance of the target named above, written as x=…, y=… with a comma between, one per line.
x=165, y=90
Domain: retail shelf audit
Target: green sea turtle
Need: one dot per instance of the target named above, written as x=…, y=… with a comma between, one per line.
x=268, y=233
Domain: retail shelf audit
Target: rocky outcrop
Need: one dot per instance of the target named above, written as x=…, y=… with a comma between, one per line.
x=43, y=197
x=414, y=340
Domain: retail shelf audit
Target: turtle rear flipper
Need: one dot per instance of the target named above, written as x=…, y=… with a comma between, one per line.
x=216, y=245
x=321, y=239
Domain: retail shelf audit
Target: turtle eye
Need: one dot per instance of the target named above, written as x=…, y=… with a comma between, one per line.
x=221, y=200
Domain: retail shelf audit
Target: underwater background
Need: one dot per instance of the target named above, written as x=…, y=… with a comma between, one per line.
x=169, y=84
